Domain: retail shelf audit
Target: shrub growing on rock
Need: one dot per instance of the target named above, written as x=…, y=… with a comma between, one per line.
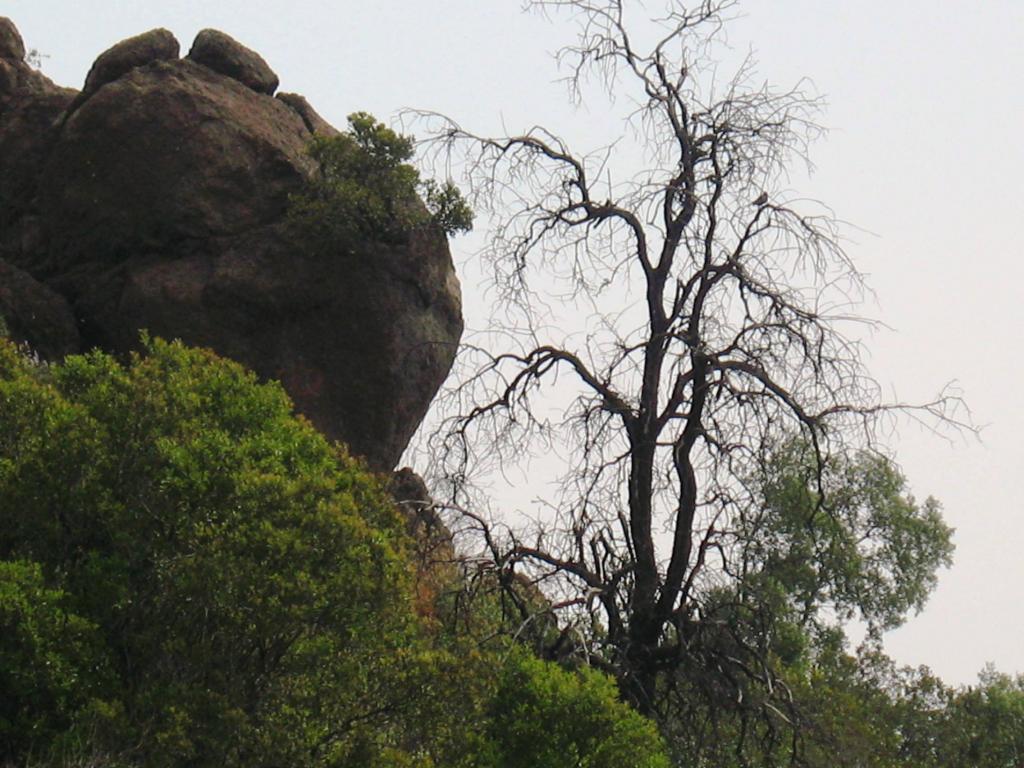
x=364, y=187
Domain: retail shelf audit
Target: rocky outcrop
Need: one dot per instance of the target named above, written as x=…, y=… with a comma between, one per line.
x=156, y=199
x=425, y=524
x=32, y=314
x=11, y=44
x=166, y=161
x=30, y=108
x=437, y=569
x=227, y=56
x=155, y=45
x=314, y=123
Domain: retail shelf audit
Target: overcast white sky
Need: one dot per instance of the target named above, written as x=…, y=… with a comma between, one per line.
x=926, y=114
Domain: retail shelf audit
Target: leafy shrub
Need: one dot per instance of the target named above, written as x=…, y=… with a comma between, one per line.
x=547, y=717
x=51, y=662
x=192, y=576
x=246, y=578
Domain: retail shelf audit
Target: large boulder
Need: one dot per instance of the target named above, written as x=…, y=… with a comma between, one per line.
x=129, y=54
x=168, y=159
x=224, y=54
x=158, y=201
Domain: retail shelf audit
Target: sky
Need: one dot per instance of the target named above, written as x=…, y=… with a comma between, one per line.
x=923, y=156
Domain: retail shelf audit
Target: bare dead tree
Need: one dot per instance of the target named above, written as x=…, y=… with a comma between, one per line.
x=714, y=321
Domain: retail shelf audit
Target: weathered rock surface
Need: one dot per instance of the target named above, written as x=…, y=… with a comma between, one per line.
x=165, y=160
x=437, y=566
x=314, y=123
x=30, y=105
x=223, y=54
x=425, y=523
x=158, y=202
x=11, y=44
x=35, y=315
x=119, y=60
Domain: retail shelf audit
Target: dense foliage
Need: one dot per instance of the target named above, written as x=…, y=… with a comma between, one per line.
x=190, y=575
x=240, y=573
x=48, y=659
x=582, y=723
x=364, y=187
x=819, y=545
x=843, y=537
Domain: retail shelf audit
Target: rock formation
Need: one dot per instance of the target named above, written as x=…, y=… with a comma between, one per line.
x=33, y=314
x=155, y=199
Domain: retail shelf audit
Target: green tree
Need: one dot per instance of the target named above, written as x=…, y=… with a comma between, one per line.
x=873, y=713
x=820, y=544
x=841, y=536
x=246, y=578
x=984, y=724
